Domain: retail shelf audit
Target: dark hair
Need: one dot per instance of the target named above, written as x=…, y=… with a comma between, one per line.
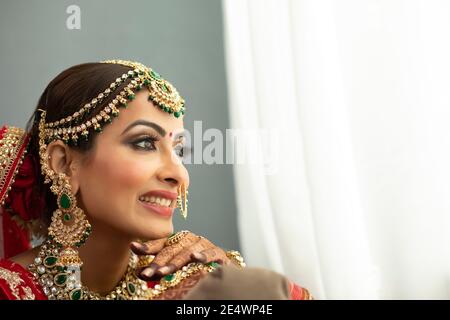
x=64, y=95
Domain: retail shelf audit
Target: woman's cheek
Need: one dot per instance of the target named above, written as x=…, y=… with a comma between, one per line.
x=126, y=174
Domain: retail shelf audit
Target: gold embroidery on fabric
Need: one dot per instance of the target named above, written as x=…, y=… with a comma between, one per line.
x=14, y=281
x=29, y=295
x=10, y=146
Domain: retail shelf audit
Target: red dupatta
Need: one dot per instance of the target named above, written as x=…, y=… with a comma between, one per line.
x=16, y=283
x=18, y=175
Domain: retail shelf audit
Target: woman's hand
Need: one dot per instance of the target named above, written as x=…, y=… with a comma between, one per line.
x=173, y=253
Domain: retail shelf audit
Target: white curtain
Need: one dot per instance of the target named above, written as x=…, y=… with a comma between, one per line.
x=356, y=96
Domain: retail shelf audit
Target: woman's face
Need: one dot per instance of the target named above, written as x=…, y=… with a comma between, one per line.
x=129, y=181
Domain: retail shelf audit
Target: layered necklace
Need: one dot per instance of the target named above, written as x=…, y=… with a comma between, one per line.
x=60, y=283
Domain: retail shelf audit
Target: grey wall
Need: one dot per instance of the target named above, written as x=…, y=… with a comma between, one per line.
x=180, y=39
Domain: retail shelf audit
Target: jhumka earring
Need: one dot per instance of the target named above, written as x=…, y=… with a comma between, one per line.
x=69, y=227
x=182, y=203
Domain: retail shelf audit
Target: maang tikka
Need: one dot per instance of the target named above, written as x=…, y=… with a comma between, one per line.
x=69, y=227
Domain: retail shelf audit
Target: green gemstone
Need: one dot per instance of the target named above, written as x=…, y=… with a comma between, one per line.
x=164, y=88
x=146, y=82
x=169, y=277
x=131, y=96
x=177, y=114
x=98, y=129
x=214, y=264
x=76, y=294
x=131, y=288
x=67, y=217
x=155, y=75
x=60, y=279
x=50, y=261
x=64, y=201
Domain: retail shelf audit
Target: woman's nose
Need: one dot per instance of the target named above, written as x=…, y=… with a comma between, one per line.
x=173, y=172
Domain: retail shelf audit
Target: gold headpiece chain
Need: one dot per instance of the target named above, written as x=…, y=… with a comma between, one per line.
x=161, y=93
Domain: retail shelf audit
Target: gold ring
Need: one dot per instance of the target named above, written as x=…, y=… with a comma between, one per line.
x=176, y=237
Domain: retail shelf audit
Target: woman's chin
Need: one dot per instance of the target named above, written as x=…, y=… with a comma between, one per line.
x=157, y=231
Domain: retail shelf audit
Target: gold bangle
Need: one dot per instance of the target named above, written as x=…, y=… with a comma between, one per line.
x=236, y=258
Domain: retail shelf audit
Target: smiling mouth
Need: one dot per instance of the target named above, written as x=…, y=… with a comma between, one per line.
x=161, y=207
x=158, y=201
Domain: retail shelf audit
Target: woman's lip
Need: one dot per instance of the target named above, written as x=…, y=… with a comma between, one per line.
x=159, y=210
x=162, y=193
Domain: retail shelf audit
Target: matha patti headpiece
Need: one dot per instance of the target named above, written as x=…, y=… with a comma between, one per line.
x=161, y=93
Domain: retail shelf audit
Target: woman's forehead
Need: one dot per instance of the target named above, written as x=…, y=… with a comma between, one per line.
x=140, y=109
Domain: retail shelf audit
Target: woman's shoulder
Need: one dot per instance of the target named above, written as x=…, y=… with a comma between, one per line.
x=16, y=283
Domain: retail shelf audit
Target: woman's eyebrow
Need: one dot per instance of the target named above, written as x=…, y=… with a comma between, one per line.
x=146, y=123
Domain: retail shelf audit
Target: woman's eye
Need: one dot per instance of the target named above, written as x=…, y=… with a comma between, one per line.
x=145, y=144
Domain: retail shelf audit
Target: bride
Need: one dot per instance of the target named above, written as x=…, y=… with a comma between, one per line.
x=98, y=174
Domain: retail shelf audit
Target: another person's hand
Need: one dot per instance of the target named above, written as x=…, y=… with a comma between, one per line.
x=171, y=254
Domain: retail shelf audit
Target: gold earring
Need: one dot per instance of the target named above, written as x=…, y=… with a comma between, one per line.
x=69, y=227
x=182, y=205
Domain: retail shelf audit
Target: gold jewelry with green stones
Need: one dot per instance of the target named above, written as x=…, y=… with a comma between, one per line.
x=161, y=93
x=69, y=227
x=59, y=284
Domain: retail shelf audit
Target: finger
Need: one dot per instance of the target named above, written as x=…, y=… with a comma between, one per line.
x=150, y=247
x=164, y=255
x=215, y=254
x=167, y=253
x=183, y=257
x=148, y=272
